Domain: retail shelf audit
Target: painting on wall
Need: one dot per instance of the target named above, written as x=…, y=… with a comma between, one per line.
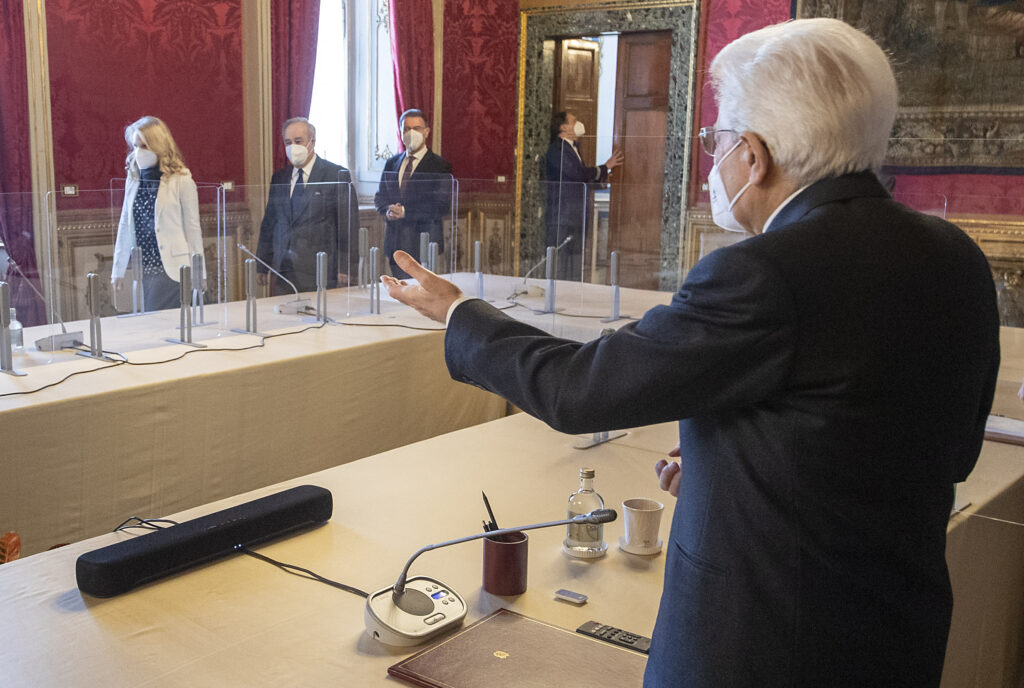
x=960, y=68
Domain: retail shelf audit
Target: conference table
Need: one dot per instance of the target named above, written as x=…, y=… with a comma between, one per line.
x=85, y=441
x=242, y=622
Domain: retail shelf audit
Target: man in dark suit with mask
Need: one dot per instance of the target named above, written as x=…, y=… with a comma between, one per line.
x=832, y=374
x=569, y=183
x=415, y=192
x=311, y=207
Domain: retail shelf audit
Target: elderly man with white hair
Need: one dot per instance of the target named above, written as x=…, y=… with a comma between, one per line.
x=832, y=374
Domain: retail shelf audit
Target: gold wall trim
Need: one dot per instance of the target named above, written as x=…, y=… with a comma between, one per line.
x=435, y=126
x=40, y=134
x=257, y=111
x=520, y=99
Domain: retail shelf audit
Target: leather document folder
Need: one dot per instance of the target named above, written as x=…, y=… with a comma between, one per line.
x=506, y=649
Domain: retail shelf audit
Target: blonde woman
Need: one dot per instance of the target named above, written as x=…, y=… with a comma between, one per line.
x=160, y=214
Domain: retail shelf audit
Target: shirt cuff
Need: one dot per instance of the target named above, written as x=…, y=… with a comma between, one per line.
x=455, y=304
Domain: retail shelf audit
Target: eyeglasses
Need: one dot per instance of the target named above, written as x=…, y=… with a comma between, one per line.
x=709, y=138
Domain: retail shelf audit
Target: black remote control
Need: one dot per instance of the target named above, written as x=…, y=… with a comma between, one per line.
x=616, y=636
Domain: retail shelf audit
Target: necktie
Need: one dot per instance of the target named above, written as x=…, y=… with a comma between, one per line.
x=297, y=193
x=409, y=160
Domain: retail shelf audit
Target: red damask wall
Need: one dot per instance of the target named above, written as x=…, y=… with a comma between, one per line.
x=481, y=46
x=114, y=61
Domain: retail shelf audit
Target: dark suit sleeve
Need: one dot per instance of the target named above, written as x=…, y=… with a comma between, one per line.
x=348, y=223
x=725, y=340
x=565, y=166
x=265, y=247
x=382, y=199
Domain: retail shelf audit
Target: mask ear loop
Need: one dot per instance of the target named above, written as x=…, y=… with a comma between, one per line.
x=745, y=186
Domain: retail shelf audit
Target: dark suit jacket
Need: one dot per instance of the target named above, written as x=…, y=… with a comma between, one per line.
x=834, y=375
x=568, y=183
x=427, y=199
x=327, y=217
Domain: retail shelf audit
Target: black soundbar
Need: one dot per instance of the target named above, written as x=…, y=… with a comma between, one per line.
x=120, y=567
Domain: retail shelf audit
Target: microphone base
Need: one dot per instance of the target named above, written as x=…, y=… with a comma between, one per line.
x=296, y=307
x=56, y=342
x=598, y=438
x=442, y=610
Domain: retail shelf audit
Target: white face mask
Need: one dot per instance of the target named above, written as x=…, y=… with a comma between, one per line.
x=297, y=154
x=412, y=140
x=721, y=206
x=145, y=158
x=578, y=129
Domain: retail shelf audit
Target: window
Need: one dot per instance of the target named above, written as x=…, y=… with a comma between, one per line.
x=353, y=104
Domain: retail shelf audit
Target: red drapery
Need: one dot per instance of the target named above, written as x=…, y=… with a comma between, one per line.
x=16, y=166
x=293, y=26
x=412, y=53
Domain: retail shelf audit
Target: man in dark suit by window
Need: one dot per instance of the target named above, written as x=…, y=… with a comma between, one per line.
x=415, y=192
x=311, y=207
x=833, y=373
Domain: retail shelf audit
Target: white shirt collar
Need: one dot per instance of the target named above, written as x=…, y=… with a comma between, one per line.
x=306, y=169
x=771, y=218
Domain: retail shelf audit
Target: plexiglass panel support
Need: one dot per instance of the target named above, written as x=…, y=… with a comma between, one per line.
x=424, y=256
x=92, y=301
x=477, y=270
x=250, y=296
x=198, y=293
x=375, y=280
x=613, y=280
x=432, y=256
x=138, y=298
x=364, y=250
x=185, y=308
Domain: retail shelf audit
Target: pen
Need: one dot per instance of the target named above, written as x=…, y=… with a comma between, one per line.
x=492, y=524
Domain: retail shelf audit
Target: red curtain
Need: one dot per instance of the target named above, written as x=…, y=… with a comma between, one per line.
x=293, y=26
x=16, y=167
x=412, y=52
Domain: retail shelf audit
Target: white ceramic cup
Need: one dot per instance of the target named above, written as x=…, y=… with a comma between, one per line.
x=643, y=520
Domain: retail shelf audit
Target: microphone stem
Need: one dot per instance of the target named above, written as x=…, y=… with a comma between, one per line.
x=268, y=267
x=400, y=584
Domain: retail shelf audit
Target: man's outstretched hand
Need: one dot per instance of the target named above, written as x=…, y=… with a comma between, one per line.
x=432, y=297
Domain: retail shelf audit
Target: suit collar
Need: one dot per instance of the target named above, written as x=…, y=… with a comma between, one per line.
x=829, y=190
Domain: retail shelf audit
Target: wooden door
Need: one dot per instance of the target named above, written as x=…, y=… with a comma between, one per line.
x=637, y=187
x=577, y=69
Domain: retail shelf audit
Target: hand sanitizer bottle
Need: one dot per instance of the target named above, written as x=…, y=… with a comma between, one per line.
x=583, y=540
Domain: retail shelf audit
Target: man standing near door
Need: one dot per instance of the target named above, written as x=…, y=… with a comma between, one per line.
x=311, y=207
x=568, y=181
x=415, y=192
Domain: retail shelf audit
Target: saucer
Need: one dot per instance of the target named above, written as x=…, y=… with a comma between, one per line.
x=633, y=549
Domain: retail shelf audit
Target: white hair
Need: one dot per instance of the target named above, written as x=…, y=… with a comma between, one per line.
x=820, y=93
x=310, y=129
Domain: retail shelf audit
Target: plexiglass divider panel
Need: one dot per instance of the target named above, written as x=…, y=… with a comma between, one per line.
x=24, y=272
x=274, y=235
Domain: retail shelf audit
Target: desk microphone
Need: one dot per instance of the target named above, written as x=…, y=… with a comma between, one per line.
x=300, y=305
x=416, y=609
x=523, y=289
x=53, y=342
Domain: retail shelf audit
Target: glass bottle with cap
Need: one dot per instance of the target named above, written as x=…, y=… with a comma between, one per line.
x=584, y=540
x=17, y=332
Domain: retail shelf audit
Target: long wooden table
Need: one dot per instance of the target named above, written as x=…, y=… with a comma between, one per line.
x=133, y=439
x=240, y=621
